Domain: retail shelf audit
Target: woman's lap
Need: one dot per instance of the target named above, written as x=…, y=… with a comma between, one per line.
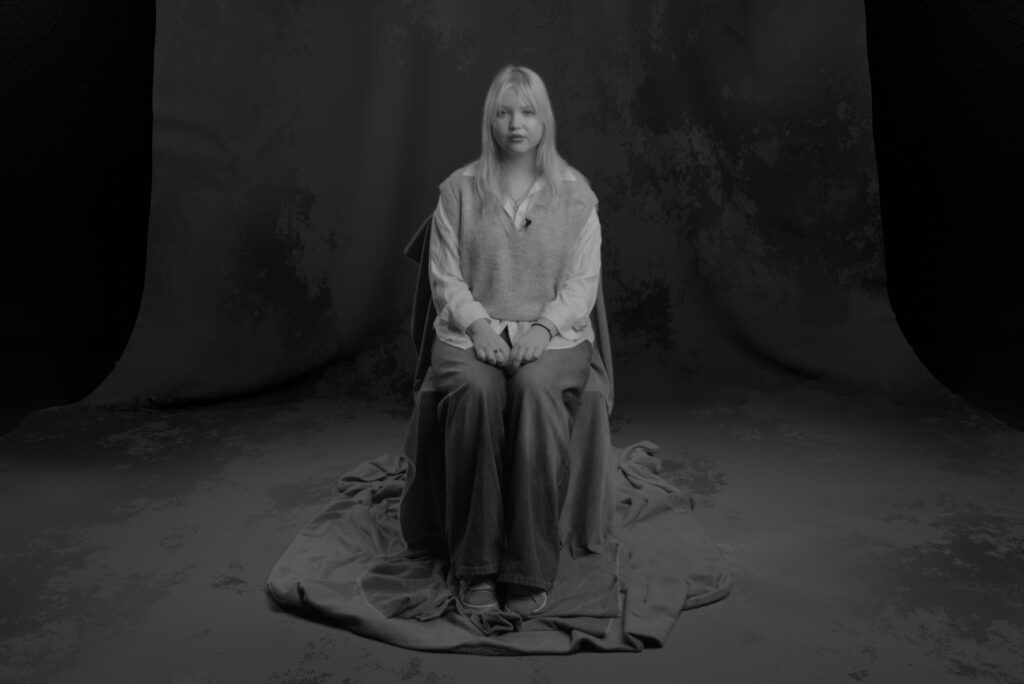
x=556, y=370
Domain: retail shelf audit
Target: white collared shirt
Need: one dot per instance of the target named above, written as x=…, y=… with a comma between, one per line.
x=569, y=311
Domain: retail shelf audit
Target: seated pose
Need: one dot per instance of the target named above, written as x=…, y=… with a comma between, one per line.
x=514, y=266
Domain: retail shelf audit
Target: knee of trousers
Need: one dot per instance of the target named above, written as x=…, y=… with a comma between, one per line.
x=529, y=387
x=480, y=392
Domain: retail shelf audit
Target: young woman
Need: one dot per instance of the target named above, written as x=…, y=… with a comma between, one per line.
x=514, y=266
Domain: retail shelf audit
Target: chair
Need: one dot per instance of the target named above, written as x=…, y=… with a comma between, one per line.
x=589, y=502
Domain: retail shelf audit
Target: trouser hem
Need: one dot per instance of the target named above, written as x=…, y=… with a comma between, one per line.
x=525, y=580
x=467, y=571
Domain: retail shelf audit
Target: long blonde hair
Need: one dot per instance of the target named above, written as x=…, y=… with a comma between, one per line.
x=549, y=165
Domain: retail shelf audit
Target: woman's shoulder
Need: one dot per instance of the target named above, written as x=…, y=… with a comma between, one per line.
x=461, y=176
x=570, y=174
x=577, y=184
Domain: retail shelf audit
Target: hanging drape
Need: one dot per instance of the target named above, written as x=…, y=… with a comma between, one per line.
x=297, y=146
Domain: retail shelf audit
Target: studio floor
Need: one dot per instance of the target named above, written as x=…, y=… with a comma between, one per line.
x=871, y=539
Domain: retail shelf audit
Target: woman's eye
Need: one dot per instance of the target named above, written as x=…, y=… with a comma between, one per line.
x=528, y=112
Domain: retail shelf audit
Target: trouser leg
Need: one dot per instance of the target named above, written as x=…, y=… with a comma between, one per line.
x=537, y=466
x=472, y=415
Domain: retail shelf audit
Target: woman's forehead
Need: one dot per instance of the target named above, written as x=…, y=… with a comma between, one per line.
x=512, y=97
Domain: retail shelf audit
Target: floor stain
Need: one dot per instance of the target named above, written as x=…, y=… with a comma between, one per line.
x=231, y=583
x=175, y=540
x=697, y=474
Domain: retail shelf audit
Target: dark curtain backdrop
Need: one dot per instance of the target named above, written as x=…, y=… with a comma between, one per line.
x=948, y=96
x=75, y=137
x=296, y=146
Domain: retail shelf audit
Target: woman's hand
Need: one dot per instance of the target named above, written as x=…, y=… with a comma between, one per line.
x=487, y=344
x=528, y=347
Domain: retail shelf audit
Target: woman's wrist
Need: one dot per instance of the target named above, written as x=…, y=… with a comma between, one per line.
x=474, y=328
x=546, y=327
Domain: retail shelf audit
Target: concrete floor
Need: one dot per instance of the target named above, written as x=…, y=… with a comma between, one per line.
x=872, y=540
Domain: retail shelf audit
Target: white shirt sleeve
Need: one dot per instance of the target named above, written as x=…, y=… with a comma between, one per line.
x=452, y=299
x=578, y=292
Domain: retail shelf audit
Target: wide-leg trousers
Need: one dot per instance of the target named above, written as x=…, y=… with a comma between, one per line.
x=506, y=446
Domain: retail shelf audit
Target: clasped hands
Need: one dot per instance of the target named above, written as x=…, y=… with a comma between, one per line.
x=491, y=348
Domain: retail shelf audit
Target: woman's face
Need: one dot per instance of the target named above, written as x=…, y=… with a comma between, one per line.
x=516, y=128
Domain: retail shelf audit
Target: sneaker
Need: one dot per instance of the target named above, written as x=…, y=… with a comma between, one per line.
x=479, y=593
x=526, y=601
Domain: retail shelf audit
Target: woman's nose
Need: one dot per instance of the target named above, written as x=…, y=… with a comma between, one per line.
x=513, y=120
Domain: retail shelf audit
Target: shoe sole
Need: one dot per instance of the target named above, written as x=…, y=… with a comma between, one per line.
x=472, y=606
x=536, y=610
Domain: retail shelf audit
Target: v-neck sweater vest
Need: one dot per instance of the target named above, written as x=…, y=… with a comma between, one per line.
x=513, y=273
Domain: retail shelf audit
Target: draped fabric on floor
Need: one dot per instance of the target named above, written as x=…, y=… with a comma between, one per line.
x=347, y=567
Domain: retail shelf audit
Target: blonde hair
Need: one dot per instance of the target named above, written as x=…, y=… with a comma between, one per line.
x=549, y=165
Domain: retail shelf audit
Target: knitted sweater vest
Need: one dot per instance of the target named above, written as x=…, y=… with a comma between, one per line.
x=514, y=273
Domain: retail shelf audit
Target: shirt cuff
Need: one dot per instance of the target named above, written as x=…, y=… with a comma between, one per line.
x=560, y=321
x=547, y=325
x=466, y=314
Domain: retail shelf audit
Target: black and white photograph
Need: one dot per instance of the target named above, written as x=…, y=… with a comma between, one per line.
x=537, y=341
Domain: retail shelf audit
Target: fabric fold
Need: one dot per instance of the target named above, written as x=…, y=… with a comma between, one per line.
x=350, y=566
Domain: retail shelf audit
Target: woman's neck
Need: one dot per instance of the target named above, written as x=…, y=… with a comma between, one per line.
x=521, y=166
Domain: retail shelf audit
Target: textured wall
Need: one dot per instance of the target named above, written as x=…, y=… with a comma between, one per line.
x=297, y=145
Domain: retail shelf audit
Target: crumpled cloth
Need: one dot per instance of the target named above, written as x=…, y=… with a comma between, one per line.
x=349, y=567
